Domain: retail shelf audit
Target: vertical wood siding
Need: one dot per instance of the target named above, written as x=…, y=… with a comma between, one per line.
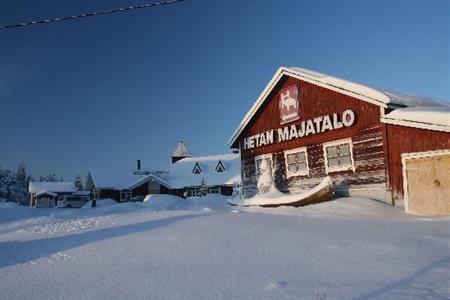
x=402, y=139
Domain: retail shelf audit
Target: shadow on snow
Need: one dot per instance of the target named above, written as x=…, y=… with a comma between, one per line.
x=19, y=252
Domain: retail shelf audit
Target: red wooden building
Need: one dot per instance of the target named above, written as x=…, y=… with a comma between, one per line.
x=309, y=125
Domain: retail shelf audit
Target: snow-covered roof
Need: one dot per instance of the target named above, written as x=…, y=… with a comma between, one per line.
x=51, y=187
x=181, y=151
x=118, y=180
x=180, y=174
x=425, y=117
x=46, y=193
x=177, y=175
x=372, y=95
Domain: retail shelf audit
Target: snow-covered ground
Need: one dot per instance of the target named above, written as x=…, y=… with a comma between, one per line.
x=164, y=248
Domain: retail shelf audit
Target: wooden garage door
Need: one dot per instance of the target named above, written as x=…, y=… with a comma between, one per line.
x=428, y=184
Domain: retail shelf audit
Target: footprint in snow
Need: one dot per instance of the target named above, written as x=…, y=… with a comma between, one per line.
x=276, y=285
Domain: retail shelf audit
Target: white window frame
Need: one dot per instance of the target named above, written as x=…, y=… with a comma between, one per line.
x=260, y=157
x=299, y=173
x=125, y=195
x=192, y=192
x=215, y=188
x=339, y=168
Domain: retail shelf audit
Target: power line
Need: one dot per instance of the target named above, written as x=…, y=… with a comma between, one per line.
x=92, y=14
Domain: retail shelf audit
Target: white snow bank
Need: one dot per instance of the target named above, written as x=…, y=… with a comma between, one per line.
x=428, y=117
x=161, y=202
x=101, y=203
x=343, y=208
x=210, y=202
x=275, y=197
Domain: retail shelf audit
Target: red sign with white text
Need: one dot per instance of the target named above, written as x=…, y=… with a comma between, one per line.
x=289, y=105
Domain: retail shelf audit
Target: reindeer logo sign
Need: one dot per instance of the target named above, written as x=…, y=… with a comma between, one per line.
x=289, y=106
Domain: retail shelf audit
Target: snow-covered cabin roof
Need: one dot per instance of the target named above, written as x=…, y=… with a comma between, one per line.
x=118, y=180
x=425, y=117
x=180, y=175
x=181, y=150
x=380, y=97
x=45, y=193
x=51, y=187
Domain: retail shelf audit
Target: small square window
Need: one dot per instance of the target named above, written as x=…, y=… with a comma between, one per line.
x=293, y=167
x=332, y=151
x=333, y=162
x=338, y=156
x=296, y=162
x=344, y=149
x=301, y=157
x=292, y=159
x=345, y=160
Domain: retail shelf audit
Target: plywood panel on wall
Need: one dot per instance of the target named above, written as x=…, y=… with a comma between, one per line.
x=428, y=185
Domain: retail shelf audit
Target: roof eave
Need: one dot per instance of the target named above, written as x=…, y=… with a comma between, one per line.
x=415, y=124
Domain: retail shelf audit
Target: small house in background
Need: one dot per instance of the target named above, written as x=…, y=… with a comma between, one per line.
x=45, y=194
x=124, y=186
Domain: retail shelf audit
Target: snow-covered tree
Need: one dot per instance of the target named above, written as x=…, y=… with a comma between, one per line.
x=78, y=182
x=51, y=178
x=14, y=185
x=203, y=187
x=237, y=190
x=20, y=187
x=265, y=179
x=7, y=181
x=21, y=172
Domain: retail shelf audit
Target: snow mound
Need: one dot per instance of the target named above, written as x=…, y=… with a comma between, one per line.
x=209, y=202
x=275, y=197
x=342, y=208
x=101, y=203
x=161, y=202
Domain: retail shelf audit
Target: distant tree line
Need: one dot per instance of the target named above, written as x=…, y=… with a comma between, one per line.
x=14, y=185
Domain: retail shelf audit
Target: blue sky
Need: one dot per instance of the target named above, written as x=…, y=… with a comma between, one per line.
x=103, y=91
